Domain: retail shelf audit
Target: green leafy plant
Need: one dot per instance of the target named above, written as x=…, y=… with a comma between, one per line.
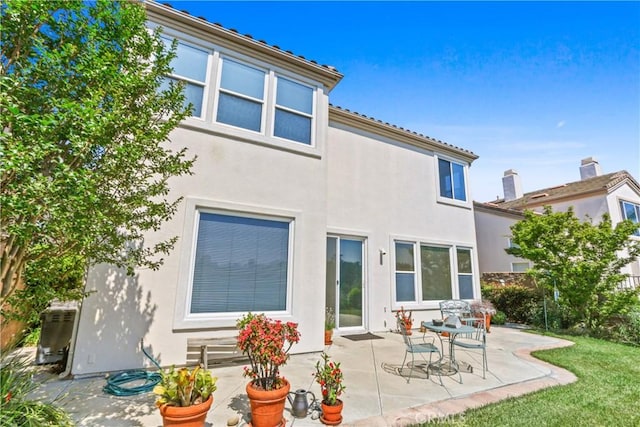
x=266, y=342
x=580, y=260
x=16, y=409
x=185, y=387
x=329, y=319
x=499, y=318
x=86, y=153
x=330, y=378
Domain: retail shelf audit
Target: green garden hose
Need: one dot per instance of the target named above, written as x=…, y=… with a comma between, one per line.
x=115, y=383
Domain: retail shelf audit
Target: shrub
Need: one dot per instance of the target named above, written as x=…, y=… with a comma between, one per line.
x=16, y=409
x=516, y=301
x=499, y=318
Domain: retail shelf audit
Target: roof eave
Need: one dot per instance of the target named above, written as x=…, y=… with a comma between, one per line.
x=378, y=127
x=189, y=24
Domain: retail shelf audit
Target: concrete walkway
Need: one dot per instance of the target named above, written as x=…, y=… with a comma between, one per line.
x=375, y=396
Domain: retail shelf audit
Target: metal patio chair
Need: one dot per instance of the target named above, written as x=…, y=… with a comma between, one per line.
x=419, y=346
x=475, y=341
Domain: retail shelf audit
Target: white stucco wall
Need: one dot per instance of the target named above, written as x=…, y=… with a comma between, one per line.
x=493, y=233
x=381, y=190
x=229, y=174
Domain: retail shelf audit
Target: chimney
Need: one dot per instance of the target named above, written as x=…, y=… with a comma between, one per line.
x=511, y=185
x=589, y=168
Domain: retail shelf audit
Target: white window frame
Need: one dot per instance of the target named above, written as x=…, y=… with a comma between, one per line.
x=195, y=43
x=446, y=200
x=311, y=116
x=269, y=105
x=419, y=302
x=513, y=270
x=183, y=318
x=206, y=122
x=623, y=213
x=415, y=272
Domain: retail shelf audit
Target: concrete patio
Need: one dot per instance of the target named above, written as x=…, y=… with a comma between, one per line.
x=375, y=396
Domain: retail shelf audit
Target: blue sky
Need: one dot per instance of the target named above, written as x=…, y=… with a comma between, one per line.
x=533, y=86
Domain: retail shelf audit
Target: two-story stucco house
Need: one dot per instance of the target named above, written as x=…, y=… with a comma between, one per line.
x=294, y=206
x=617, y=194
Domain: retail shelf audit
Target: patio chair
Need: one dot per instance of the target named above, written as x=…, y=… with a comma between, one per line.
x=475, y=341
x=456, y=307
x=417, y=346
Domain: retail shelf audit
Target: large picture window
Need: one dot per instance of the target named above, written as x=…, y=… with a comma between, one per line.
x=241, y=264
x=451, y=179
x=631, y=211
x=444, y=272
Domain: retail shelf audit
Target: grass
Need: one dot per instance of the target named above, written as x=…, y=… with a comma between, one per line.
x=607, y=392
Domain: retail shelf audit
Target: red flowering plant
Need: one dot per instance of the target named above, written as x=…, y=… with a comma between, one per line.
x=266, y=342
x=329, y=376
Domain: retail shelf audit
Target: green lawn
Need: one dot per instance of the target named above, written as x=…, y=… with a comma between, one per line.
x=607, y=392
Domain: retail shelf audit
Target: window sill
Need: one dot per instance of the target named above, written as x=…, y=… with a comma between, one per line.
x=250, y=137
x=453, y=202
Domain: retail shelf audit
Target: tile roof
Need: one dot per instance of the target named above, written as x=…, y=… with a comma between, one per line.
x=247, y=36
x=429, y=140
x=571, y=191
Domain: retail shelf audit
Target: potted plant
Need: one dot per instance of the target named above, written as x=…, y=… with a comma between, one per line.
x=329, y=375
x=329, y=324
x=404, y=319
x=266, y=342
x=185, y=396
x=483, y=309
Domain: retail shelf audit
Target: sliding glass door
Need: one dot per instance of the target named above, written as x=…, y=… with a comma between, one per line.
x=345, y=280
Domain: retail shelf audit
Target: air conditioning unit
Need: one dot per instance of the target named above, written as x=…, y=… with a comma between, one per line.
x=55, y=332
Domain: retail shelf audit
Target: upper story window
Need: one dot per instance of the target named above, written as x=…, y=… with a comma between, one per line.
x=241, y=96
x=293, y=111
x=190, y=66
x=244, y=97
x=631, y=211
x=451, y=177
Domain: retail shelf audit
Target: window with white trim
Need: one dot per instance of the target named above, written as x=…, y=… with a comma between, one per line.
x=631, y=211
x=519, y=267
x=241, y=264
x=241, y=96
x=190, y=67
x=249, y=96
x=465, y=273
x=294, y=111
x=444, y=272
x=451, y=179
x=405, y=272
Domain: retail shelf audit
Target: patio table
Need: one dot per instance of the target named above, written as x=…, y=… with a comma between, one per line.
x=446, y=365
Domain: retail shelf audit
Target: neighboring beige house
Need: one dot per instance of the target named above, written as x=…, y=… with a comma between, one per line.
x=493, y=236
x=595, y=194
x=294, y=205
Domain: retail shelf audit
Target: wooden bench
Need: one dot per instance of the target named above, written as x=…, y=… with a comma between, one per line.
x=204, y=351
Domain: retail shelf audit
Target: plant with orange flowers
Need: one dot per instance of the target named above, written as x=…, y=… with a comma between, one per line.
x=329, y=375
x=266, y=342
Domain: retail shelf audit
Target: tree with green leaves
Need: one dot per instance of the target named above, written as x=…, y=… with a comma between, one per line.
x=582, y=260
x=85, y=149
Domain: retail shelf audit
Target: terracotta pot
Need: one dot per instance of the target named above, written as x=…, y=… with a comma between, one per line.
x=487, y=322
x=408, y=324
x=267, y=407
x=328, y=334
x=332, y=414
x=186, y=416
